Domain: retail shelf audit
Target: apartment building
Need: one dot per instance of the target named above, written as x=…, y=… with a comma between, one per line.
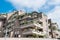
x=28, y=25
x=2, y=24
x=34, y=25
x=12, y=18
x=53, y=29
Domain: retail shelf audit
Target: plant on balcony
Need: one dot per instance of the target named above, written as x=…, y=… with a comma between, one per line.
x=54, y=28
x=35, y=36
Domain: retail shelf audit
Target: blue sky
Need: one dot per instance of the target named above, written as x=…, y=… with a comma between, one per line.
x=8, y=6
x=50, y=7
x=5, y=6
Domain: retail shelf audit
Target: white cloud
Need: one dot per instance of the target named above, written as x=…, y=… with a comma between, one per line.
x=34, y=4
x=55, y=15
x=54, y=2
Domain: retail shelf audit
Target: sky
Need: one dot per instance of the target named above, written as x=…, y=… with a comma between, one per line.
x=50, y=7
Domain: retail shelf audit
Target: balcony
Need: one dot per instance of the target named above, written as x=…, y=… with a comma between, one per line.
x=38, y=25
x=10, y=25
x=13, y=16
x=31, y=18
x=33, y=31
x=31, y=25
x=11, y=20
x=7, y=30
x=25, y=25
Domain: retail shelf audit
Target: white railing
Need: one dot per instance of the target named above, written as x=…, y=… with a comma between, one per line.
x=38, y=25
x=31, y=31
x=11, y=20
x=31, y=25
x=27, y=25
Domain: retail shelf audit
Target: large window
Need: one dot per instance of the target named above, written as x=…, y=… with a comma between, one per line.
x=40, y=30
x=16, y=34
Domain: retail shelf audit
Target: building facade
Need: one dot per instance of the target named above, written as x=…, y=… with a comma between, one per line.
x=53, y=29
x=29, y=25
x=2, y=24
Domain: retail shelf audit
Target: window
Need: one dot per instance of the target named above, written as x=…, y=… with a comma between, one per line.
x=7, y=32
x=40, y=23
x=57, y=34
x=40, y=30
x=40, y=36
x=16, y=35
x=49, y=27
x=50, y=33
x=29, y=19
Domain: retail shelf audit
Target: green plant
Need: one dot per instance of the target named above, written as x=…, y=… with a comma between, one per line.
x=35, y=35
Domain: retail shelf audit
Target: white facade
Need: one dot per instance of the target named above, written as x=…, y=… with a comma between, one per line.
x=34, y=24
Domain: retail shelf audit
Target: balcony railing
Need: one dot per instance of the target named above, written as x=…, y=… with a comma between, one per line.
x=38, y=25
x=10, y=25
x=11, y=20
x=30, y=18
x=33, y=31
x=31, y=25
